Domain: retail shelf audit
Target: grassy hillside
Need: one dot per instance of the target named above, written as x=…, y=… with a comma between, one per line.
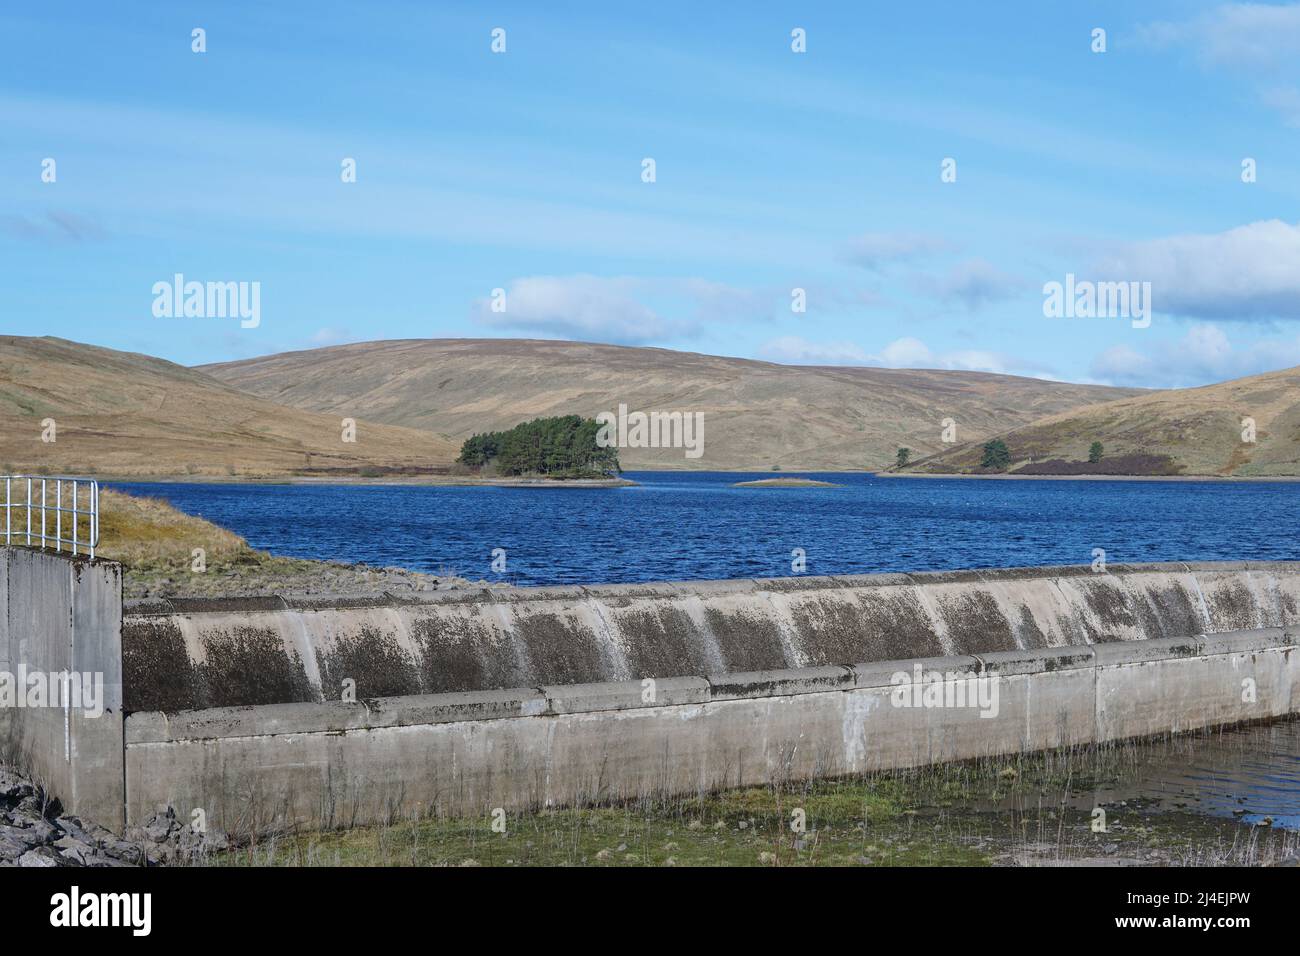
x=757, y=414
x=120, y=413
x=155, y=544
x=1191, y=431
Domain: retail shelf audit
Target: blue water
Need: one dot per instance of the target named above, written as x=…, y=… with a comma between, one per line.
x=676, y=526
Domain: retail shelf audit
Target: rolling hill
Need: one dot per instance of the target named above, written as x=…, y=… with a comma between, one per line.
x=757, y=414
x=120, y=413
x=1189, y=431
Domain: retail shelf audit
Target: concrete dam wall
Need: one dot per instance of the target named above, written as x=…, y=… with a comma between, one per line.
x=320, y=765
x=192, y=654
x=476, y=700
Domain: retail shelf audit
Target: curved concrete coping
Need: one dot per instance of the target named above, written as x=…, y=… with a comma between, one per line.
x=149, y=607
x=550, y=701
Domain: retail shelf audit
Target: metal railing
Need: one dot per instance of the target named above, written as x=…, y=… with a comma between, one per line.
x=40, y=522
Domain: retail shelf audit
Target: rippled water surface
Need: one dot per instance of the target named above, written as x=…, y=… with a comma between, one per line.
x=1249, y=773
x=684, y=526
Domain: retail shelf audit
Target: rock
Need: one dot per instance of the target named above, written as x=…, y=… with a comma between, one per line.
x=42, y=856
x=13, y=787
x=160, y=826
x=73, y=849
x=11, y=849
x=26, y=836
x=42, y=830
x=130, y=853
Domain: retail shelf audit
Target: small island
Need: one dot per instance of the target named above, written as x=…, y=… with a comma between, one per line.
x=785, y=483
x=564, y=451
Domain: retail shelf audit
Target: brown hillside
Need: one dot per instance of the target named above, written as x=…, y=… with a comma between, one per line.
x=120, y=413
x=757, y=414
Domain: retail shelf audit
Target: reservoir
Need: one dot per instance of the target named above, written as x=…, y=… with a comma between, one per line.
x=697, y=526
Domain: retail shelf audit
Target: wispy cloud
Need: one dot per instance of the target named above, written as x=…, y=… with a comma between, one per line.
x=1252, y=36
x=1203, y=355
x=1257, y=41
x=875, y=250
x=53, y=225
x=973, y=283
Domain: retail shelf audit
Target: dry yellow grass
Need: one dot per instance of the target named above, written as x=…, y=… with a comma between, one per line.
x=145, y=533
x=119, y=413
x=155, y=543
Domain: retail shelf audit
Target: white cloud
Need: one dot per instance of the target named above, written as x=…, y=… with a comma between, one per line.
x=792, y=349
x=906, y=352
x=1203, y=355
x=1249, y=272
x=627, y=310
x=1250, y=35
x=580, y=307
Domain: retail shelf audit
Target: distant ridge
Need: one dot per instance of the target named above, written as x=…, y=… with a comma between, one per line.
x=757, y=414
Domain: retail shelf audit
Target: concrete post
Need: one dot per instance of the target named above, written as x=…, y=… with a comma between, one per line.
x=63, y=616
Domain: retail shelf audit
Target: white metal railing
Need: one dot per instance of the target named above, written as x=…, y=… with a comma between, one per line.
x=40, y=521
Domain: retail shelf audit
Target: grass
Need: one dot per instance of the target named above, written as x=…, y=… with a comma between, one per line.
x=155, y=544
x=1012, y=810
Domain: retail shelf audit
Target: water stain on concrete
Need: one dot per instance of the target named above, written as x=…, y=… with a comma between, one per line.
x=248, y=666
x=374, y=660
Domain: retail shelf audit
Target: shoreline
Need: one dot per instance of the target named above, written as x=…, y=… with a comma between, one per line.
x=444, y=481
x=450, y=481
x=1226, y=479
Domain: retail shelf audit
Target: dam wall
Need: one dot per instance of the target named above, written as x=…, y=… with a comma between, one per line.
x=273, y=713
x=195, y=654
x=318, y=765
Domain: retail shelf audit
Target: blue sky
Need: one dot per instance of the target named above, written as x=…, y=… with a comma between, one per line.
x=775, y=170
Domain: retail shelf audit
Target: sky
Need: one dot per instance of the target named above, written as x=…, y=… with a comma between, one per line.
x=507, y=193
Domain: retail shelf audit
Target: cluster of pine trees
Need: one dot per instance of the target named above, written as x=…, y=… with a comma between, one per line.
x=562, y=447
